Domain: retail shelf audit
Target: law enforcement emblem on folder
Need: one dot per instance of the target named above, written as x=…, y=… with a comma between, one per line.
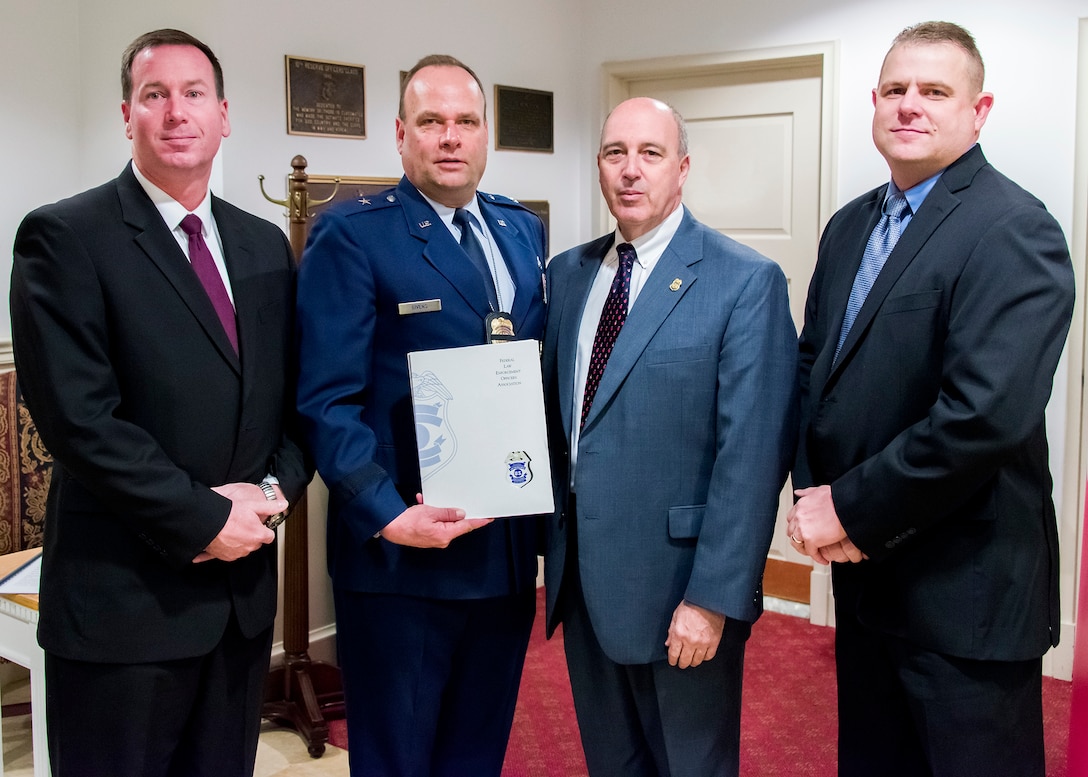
x=479, y=413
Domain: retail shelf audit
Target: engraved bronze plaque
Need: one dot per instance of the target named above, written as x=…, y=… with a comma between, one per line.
x=524, y=119
x=324, y=98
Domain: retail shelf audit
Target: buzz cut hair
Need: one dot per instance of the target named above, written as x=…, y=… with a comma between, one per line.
x=946, y=32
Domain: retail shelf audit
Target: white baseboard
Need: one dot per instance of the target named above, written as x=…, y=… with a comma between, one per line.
x=322, y=647
x=821, y=597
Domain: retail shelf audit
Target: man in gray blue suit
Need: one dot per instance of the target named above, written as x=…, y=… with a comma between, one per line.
x=672, y=391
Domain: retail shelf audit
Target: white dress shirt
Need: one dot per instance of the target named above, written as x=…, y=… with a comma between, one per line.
x=648, y=249
x=173, y=212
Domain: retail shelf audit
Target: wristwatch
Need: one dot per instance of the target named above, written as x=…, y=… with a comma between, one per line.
x=270, y=493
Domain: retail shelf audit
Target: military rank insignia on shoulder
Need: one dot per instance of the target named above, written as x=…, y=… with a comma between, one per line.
x=365, y=203
x=498, y=199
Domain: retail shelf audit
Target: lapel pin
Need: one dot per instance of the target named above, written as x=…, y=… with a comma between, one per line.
x=424, y=224
x=675, y=285
x=502, y=223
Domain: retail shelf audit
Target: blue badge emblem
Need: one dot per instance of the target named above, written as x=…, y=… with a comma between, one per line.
x=435, y=439
x=517, y=468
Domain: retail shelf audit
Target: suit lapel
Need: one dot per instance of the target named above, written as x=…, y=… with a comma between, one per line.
x=659, y=295
x=238, y=253
x=938, y=205
x=158, y=244
x=571, y=301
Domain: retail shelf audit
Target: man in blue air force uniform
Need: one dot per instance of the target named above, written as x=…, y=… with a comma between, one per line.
x=433, y=610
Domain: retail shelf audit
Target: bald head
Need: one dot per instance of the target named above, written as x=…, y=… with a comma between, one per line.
x=649, y=103
x=642, y=164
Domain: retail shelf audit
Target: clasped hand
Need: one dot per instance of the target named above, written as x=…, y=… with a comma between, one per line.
x=244, y=531
x=814, y=528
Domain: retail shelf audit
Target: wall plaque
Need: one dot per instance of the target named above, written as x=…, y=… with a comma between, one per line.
x=325, y=98
x=542, y=209
x=524, y=119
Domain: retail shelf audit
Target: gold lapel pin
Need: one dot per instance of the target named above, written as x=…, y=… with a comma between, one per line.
x=675, y=285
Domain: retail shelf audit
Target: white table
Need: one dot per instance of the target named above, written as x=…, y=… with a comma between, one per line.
x=19, y=644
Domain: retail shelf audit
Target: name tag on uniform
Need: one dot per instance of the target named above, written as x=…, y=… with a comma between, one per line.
x=422, y=306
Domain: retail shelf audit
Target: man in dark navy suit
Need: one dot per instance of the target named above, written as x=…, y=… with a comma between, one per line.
x=923, y=466
x=166, y=399
x=433, y=611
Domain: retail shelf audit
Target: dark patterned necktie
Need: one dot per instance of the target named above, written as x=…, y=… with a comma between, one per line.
x=204, y=267
x=881, y=242
x=608, y=328
x=464, y=220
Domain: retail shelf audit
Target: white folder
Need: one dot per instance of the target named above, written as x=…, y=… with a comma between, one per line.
x=480, y=430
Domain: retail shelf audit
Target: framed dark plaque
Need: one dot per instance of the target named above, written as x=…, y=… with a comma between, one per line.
x=325, y=98
x=542, y=209
x=524, y=119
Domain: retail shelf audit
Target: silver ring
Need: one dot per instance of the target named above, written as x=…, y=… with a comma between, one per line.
x=794, y=539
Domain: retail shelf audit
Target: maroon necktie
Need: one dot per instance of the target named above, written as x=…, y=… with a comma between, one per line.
x=204, y=267
x=608, y=329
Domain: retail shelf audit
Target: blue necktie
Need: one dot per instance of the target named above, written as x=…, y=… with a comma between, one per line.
x=463, y=219
x=881, y=242
x=613, y=317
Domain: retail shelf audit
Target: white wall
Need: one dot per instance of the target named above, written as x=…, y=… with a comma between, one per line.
x=61, y=126
x=40, y=97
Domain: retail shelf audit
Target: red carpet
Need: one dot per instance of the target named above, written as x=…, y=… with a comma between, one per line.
x=788, y=725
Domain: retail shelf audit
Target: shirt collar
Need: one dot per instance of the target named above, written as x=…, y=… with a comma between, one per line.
x=653, y=243
x=916, y=194
x=445, y=212
x=171, y=210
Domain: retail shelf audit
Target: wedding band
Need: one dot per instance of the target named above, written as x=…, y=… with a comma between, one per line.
x=794, y=539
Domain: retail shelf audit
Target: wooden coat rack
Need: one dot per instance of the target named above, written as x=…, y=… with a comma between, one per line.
x=303, y=694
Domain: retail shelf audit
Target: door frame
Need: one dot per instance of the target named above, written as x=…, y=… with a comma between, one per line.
x=617, y=77
x=1070, y=502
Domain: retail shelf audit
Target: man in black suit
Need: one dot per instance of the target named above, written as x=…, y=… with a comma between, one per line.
x=922, y=465
x=170, y=417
